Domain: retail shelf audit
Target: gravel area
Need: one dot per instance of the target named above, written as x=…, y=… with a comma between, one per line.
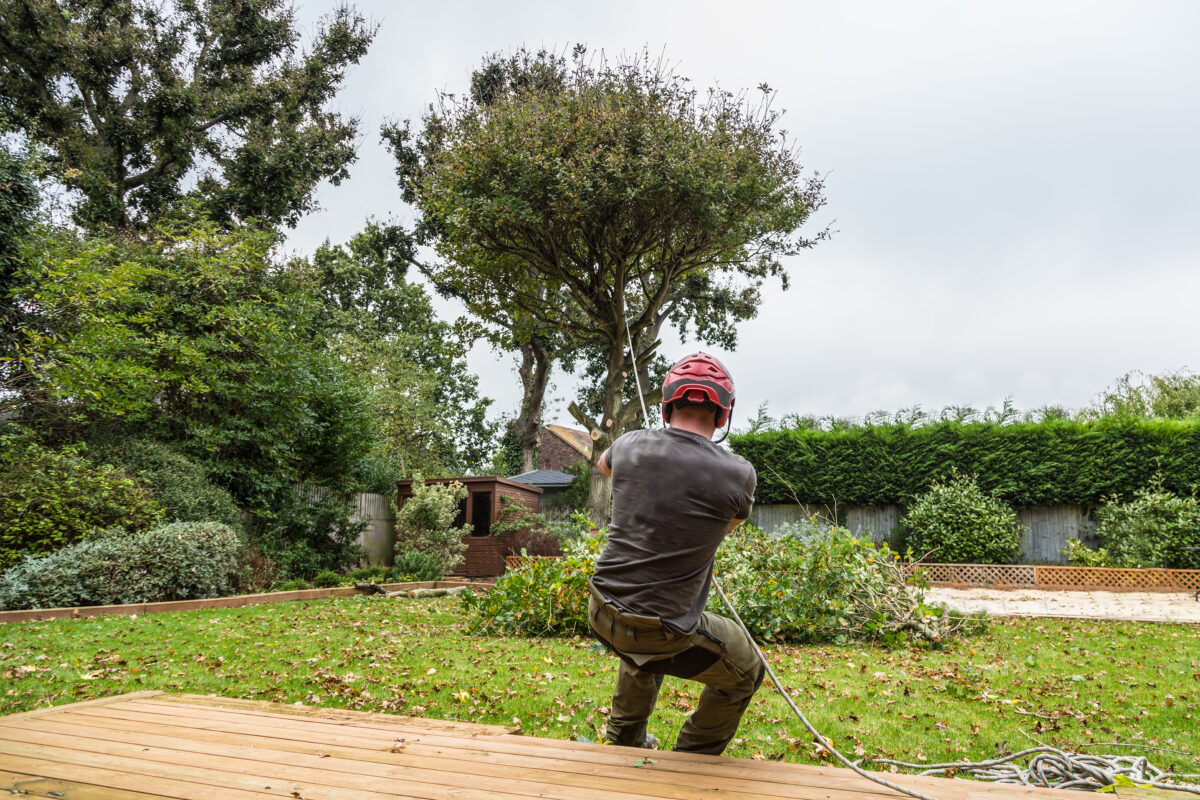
x=1140, y=606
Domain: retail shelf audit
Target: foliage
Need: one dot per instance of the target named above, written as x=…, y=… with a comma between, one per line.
x=425, y=523
x=191, y=339
x=530, y=532
x=179, y=484
x=1154, y=529
x=825, y=585
x=576, y=494
x=256, y=572
x=18, y=202
x=53, y=497
x=542, y=597
x=1172, y=395
x=580, y=198
x=1080, y=555
x=309, y=530
x=326, y=579
x=425, y=400
x=143, y=105
x=1022, y=463
x=414, y=565
x=508, y=460
x=179, y=561
x=956, y=522
x=294, y=585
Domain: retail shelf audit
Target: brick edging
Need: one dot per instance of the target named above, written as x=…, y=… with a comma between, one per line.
x=235, y=601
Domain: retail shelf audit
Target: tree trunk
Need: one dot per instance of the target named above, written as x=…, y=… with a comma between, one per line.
x=534, y=372
x=609, y=427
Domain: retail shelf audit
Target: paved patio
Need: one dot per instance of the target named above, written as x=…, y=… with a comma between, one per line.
x=1137, y=606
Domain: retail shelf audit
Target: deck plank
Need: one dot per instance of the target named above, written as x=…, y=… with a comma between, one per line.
x=194, y=747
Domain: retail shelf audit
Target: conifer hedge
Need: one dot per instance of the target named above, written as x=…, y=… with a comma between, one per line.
x=1025, y=464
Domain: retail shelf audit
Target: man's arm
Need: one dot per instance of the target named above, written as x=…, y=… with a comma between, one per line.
x=603, y=464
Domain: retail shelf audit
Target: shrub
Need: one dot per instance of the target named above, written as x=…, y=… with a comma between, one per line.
x=179, y=561
x=326, y=579
x=544, y=597
x=375, y=573
x=529, y=532
x=1080, y=555
x=309, y=531
x=180, y=486
x=1154, y=529
x=825, y=585
x=294, y=585
x=955, y=522
x=425, y=523
x=413, y=565
x=256, y=572
x=50, y=498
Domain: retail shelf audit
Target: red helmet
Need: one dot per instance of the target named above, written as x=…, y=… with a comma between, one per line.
x=698, y=378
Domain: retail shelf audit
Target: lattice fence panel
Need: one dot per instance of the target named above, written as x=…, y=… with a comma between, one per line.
x=975, y=574
x=1116, y=578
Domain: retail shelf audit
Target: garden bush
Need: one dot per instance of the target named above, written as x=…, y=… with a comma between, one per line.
x=425, y=523
x=180, y=486
x=413, y=565
x=529, y=532
x=306, y=532
x=1080, y=555
x=543, y=597
x=825, y=584
x=955, y=522
x=53, y=497
x=1154, y=529
x=179, y=561
x=326, y=579
x=294, y=585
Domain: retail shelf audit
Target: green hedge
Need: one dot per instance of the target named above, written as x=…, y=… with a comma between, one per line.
x=1024, y=464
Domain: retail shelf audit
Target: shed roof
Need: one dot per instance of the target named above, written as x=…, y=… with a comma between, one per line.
x=545, y=478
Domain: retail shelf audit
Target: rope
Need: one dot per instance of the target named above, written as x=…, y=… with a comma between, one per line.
x=1052, y=768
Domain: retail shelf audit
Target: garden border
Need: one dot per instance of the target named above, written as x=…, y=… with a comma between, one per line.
x=235, y=601
x=1057, y=577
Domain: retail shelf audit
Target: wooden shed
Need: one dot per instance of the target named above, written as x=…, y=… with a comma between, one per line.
x=485, y=498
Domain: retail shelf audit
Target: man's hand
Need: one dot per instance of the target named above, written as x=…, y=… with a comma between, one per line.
x=602, y=464
x=733, y=525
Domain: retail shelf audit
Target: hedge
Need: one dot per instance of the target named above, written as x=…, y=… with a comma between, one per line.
x=1025, y=464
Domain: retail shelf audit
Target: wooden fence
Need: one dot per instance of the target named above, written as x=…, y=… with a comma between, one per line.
x=1044, y=535
x=1058, y=577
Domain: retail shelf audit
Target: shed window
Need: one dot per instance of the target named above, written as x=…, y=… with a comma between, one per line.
x=481, y=514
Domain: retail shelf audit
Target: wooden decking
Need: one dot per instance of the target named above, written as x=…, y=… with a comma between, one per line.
x=154, y=745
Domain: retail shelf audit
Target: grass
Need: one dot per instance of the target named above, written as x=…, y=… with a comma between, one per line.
x=1064, y=682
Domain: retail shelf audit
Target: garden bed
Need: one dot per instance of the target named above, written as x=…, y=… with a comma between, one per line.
x=236, y=601
x=1032, y=576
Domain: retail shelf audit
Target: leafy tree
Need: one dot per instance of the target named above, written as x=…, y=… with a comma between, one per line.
x=18, y=204
x=1172, y=395
x=586, y=199
x=427, y=404
x=189, y=338
x=142, y=104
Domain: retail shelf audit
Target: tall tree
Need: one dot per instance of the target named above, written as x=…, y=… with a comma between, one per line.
x=142, y=104
x=615, y=187
x=431, y=417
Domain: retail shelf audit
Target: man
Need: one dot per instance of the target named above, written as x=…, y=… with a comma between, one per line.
x=676, y=495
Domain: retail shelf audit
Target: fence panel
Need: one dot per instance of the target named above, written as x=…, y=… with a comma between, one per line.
x=771, y=517
x=877, y=521
x=379, y=537
x=1045, y=531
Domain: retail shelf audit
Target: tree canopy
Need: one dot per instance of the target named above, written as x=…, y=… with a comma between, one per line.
x=599, y=201
x=142, y=104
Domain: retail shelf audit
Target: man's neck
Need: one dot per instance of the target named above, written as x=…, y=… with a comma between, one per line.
x=692, y=424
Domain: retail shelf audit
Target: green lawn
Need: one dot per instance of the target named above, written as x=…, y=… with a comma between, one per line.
x=1060, y=682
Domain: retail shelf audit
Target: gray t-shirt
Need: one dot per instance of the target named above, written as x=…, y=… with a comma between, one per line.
x=674, y=495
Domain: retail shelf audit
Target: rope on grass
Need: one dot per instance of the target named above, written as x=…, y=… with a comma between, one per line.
x=1052, y=768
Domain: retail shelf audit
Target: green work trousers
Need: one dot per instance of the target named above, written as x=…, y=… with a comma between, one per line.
x=717, y=655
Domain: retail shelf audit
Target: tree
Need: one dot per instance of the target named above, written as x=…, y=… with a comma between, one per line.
x=1172, y=395
x=600, y=201
x=430, y=415
x=143, y=104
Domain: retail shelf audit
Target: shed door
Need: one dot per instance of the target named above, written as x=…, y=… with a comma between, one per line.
x=481, y=514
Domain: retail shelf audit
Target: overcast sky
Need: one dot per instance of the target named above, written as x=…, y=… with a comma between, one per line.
x=1014, y=186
